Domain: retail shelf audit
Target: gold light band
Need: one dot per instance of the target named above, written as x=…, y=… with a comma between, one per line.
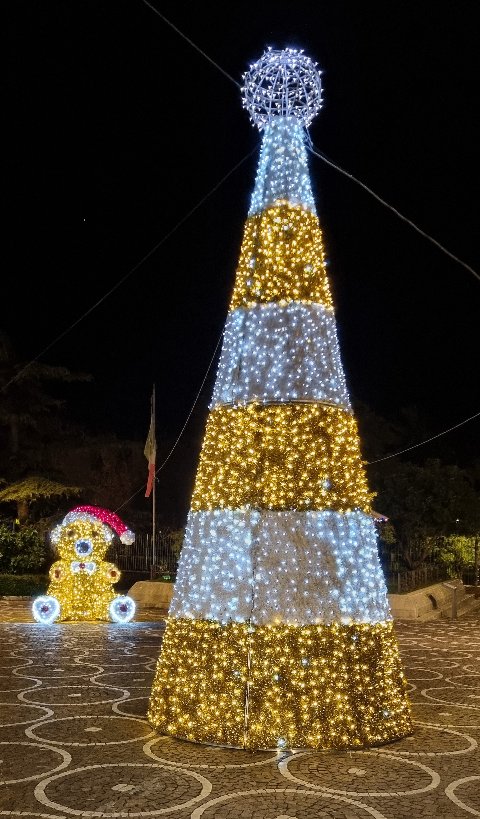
x=319, y=686
x=281, y=456
x=281, y=259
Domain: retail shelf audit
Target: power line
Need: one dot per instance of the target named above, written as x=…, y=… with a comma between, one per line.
x=422, y=443
x=316, y=153
x=330, y=162
x=229, y=77
x=321, y=156
x=192, y=210
x=132, y=270
x=390, y=207
x=184, y=426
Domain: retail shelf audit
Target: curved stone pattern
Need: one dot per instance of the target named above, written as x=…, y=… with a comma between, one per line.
x=324, y=568
x=76, y=758
x=283, y=167
x=283, y=353
x=43, y=759
x=285, y=803
x=152, y=781
x=89, y=731
x=402, y=777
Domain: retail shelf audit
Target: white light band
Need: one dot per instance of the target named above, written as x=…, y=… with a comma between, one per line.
x=280, y=353
x=293, y=567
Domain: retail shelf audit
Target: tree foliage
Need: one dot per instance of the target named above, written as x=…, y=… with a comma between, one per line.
x=458, y=552
x=46, y=460
x=22, y=551
x=25, y=403
x=426, y=504
x=35, y=490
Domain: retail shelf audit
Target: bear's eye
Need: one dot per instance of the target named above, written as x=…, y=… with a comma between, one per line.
x=83, y=547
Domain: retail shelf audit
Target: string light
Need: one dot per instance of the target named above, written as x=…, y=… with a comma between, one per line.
x=282, y=83
x=280, y=353
x=122, y=609
x=45, y=609
x=279, y=631
x=81, y=582
x=281, y=259
x=351, y=693
x=283, y=168
x=310, y=567
x=281, y=456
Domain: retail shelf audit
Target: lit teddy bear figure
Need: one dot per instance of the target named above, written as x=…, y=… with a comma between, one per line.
x=81, y=582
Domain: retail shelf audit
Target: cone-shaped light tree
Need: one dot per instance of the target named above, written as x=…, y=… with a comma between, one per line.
x=279, y=632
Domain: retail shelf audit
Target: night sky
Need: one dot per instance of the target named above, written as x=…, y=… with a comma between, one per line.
x=118, y=127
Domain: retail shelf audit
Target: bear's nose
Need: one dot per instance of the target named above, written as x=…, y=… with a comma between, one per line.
x=83, y=547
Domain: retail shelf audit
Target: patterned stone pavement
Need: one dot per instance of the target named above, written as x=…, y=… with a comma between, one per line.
x=74, y=740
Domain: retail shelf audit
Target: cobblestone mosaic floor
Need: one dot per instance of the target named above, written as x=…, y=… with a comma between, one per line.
x=74, y=740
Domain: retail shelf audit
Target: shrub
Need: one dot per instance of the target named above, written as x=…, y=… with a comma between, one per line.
x=22, y=551
x=23, y=585
x=456, y=553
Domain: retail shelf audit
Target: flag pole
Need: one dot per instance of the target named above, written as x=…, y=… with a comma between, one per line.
x=153, y=490
x=150, y=452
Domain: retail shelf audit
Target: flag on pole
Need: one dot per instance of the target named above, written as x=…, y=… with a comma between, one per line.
x=150, y=453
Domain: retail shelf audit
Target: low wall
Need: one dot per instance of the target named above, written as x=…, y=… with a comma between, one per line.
x=152, y=594
x=423, y=604
x=428, y=603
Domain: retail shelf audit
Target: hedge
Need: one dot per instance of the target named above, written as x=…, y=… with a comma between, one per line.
x=23, y=585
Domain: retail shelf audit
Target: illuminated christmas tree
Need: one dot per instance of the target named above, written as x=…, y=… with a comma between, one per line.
x=279, y=633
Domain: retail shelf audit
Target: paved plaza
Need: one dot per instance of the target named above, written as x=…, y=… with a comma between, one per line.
x=74, y=739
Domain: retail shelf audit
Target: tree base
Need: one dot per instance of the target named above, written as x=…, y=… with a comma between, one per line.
x=323, y=687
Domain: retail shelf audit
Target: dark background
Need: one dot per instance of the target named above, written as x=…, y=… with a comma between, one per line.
x=117, y=127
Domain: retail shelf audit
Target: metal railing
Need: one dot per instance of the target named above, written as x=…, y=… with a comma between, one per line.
x=143, y=558
x=411, y=579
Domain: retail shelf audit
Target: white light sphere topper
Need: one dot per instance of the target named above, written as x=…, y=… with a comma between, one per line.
x=282, y=83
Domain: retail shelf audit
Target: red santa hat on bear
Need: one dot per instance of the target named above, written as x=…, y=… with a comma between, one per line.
x=105, y=516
